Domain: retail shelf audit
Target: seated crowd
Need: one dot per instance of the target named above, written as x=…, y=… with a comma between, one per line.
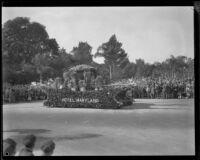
x=9, y=147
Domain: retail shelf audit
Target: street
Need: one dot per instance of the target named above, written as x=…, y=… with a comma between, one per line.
x=148, y=127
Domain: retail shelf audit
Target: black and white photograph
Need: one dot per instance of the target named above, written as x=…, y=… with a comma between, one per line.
x=98, y=81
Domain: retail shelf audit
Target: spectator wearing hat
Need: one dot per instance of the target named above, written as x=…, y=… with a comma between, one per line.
x=9, y=147
x=29, y=143
x=48, y=148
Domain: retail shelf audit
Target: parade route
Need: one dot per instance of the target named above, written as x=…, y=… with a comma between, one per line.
x=148, y=127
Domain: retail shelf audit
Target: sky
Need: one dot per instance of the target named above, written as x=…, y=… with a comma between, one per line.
x=149, y=33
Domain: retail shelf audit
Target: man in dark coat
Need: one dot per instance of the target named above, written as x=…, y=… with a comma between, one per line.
x=29, y=143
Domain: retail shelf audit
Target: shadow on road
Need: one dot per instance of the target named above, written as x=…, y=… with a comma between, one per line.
x=149, y=106
x=78, y=136
x=41, y=139
x=28, y=131
x=139, y=106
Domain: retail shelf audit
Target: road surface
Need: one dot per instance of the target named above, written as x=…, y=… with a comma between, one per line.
x=148, y=127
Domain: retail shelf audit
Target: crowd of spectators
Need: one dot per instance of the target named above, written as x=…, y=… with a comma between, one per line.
x=161, y=87
x=22, y=93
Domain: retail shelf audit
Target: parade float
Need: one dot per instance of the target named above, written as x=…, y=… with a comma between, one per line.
x=84, y=88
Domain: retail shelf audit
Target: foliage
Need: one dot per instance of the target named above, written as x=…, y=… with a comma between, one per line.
x=81, y=67
x=105, y=98
x=115, y=56
x=28, y=54
x=104, y=72
x=41, y=62
x=22, y=41
x=63, y=61
x=82, y=53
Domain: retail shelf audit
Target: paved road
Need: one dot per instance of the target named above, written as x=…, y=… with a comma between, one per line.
x=148, y=127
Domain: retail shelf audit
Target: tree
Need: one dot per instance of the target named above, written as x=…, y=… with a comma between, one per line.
x=190, y=67
x=172, y=65
x=61, y=62
x=148, y=70
x=51, y=45
x=113, y=53
x=130, y=70
x=82, y=53
x=21, y=41
x=41, y=62
x=140, y=68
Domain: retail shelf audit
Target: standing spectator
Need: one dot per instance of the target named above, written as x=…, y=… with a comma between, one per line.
x=143, y=91
x=152, y=91
x=188, y=90
x=174, y=90
x=7, y=94
x=148, y=91
x=167, y=90
x=164, y=91
x=159, y=90
x=11, y=95
x=181, y=89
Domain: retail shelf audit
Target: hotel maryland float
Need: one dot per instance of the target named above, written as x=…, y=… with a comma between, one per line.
x=84, y=88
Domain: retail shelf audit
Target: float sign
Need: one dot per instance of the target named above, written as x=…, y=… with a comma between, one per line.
x=78, y=100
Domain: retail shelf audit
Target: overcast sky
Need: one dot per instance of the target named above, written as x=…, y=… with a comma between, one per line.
x=150, y=33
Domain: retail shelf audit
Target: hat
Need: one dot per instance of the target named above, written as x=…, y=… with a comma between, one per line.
x=29, y=140
x=48, y=146
x=9, y=146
